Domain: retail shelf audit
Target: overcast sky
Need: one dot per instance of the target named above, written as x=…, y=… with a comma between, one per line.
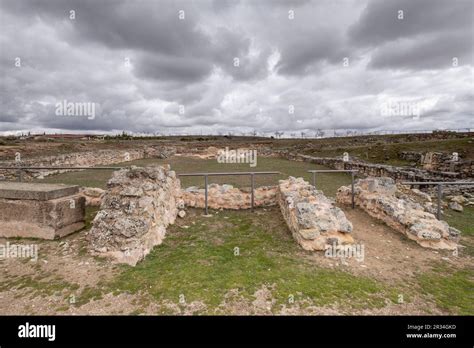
x=230, y=65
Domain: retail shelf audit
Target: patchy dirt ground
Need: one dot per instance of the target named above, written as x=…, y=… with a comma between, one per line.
x=389, y=256
x=66, y=279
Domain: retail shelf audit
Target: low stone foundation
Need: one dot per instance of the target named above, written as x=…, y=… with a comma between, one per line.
x=312, y=218
x=82, y=159
x=382, y=170
x=440, y=161
x=136, y=209
x=45, y=211
x=381, y=198
x=229, y=197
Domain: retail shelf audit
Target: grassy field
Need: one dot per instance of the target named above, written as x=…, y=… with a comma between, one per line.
x=329, y=183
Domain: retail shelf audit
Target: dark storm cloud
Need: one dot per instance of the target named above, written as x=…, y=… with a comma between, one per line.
x=172, y=68
x=428, y=35
x=190, y=64
x=379, y=21
x=431, y=53
x=300, y=54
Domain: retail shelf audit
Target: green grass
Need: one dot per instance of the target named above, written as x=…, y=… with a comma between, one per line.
x=39, y=285
x=90, y=215
x=199, y=263
x=463, y=221
x=329, y=183
x=452, y=290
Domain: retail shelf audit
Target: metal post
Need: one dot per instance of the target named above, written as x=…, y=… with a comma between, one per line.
x=252, y=176
x=440, y=194
x=352, y=187
x=314, y=179
x=205, y=193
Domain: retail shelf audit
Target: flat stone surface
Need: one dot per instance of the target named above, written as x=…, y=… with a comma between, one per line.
x=36, y=191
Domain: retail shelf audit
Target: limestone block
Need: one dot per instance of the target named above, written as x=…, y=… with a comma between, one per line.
x=138, y=205
x=46, y=211
x=311, y=217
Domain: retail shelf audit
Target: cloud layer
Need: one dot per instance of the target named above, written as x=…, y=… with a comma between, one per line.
x=227, y=65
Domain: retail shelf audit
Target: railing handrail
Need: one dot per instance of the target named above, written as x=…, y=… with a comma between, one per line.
x=207, y=175
x=58, y=168
x=228, y=173
x=352, y=171
x=438, y=183
x=333, y=171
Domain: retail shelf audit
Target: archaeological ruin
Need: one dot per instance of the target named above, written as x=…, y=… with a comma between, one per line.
x=139, y=203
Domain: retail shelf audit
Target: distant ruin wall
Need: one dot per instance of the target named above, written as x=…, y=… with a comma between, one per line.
x=81, y=159
x=440, y=161
x=381, y=170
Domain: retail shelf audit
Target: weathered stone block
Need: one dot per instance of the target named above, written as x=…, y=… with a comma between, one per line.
x=390, y=205
x=43, y=211
x=312, y=218
x=136, y=209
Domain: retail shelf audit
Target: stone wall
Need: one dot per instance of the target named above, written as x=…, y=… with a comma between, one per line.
x=440, y=161
x=85, y=159
x=229, y=197
x=312, y=218
x=138, y=205
x=380, y=170
x=382, y=199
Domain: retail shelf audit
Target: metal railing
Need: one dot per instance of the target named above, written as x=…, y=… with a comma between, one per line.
x=206, y=181
x=352, y=171
x=440, y=189
x=20, y=169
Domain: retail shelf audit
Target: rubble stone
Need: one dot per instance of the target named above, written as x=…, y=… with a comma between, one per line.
x=381, y=198
x=312, y=218
x=138, y=205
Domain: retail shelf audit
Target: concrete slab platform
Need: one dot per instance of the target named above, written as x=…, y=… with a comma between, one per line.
x=36, y=191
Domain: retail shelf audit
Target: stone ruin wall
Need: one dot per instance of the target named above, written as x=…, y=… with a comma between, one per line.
x=439, y=167
x=382, y=170
x=312, y=218
x=399, y=174
x=384, y=200
x=229, y=197
x=440, y=161
x=138, y=205
x=85, y=159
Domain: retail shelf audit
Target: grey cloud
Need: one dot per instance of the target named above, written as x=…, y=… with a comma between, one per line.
x=172, y=68
x=379, y=22
x=190, y=62
x=300, y=54
x=431, y=53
